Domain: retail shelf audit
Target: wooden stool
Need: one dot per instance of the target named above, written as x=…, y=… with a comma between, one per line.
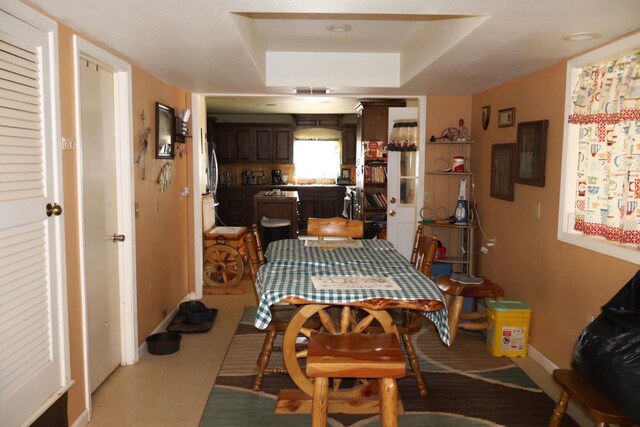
x=455, y=292
x=576, y=387
x=355, y=355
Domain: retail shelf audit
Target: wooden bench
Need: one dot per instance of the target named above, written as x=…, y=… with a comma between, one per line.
x=355, y=355
x=454, y=294
x=576, y=387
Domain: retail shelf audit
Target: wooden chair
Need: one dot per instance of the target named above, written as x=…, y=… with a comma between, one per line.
x=576, y=387
x=408, y=321
x=355, y=355
x=455, y=292
x=416, y=240
x=280, y=314
x=335, y=227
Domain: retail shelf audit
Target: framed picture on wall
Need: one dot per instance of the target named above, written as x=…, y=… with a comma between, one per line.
x=531, y=152
x=165, y=132
x=506, y=117
x=502, y=171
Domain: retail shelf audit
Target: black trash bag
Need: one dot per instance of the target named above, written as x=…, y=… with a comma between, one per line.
x=607, y=352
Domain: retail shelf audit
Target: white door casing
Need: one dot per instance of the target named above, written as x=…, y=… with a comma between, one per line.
x=404, y=184
x=34, y=367
x=124, y=143
x=100, y=206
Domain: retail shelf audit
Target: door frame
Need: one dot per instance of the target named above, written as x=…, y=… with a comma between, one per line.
x=126, y=196
x=199, y=111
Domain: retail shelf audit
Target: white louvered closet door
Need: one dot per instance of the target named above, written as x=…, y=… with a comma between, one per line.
x=33, y=349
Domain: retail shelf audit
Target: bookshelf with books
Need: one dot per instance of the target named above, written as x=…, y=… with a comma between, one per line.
x=374, y=190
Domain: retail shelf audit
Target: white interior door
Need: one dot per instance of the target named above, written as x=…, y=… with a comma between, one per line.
x=403, y=188
x=100, y=217
x=34, y=363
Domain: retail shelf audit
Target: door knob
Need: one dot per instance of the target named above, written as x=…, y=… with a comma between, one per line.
x=392, y=212
x=53, y=209
x=118, y=237
x=392, y=200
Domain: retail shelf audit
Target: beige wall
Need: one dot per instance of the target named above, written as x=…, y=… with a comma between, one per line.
x=563, y=283
x=163, y=236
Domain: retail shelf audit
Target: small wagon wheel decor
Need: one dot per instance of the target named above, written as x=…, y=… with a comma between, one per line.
x=223, y=265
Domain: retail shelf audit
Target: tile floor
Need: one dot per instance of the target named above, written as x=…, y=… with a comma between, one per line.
x=171, y=390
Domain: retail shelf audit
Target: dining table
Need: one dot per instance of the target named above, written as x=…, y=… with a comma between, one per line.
x=325, y=277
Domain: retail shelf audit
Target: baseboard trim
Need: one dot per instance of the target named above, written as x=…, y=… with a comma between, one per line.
x=541, y=375
x=541, y=359
x=82, y=420
x=162, y=326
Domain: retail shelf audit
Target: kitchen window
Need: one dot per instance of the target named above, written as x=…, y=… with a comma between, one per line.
x=585, y=194
x=316, y=158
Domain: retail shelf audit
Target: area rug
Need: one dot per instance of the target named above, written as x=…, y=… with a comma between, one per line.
x=467, y=387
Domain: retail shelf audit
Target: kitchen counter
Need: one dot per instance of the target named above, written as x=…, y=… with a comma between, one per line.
x=318, y=201
x=277, y=206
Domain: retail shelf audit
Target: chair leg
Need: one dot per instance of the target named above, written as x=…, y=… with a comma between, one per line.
x=319, y=406
x=454, y=317
x=559, y=410
x=388, y=402
x=263, y=359
x=415, y=365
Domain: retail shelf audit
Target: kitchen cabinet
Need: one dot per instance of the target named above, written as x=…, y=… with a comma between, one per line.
x=282, y=145
x=320, y=202
x=236, y=202
x=251, y=143
x=235, y=205
x=263, y=145
x=244, y=146
x=349, y=145
x=329, y=121
x=225, y=142
x=284, y=206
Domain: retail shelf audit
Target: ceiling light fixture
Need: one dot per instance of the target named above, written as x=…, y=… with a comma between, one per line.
x=339, y=28
x=311, y=91
x=578, y=37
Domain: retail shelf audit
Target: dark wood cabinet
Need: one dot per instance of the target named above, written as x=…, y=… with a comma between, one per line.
x=349, y=145
x=250, y=143
x=320, y=202
x=263, y=145
x=236, y=203
x=282, y=145
x=280, y=207
x=330, y=121
x=224, y=140
x=244, y=147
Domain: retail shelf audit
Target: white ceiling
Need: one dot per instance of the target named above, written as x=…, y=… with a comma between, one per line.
x=394, y=48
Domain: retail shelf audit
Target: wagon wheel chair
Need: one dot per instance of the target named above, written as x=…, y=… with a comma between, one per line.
x=335, y=320
x=222, y=264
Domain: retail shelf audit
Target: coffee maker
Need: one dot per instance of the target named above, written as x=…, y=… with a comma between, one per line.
x=276, y=177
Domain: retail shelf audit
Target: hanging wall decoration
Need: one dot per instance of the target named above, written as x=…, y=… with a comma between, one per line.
x=164, y=177
x=485, y=115
x=144, y=143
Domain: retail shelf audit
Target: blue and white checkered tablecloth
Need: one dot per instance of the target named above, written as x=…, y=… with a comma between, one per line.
x=291, y=265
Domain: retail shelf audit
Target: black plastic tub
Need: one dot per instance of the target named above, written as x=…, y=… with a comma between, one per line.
x=196, y=312
x=163, y=343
